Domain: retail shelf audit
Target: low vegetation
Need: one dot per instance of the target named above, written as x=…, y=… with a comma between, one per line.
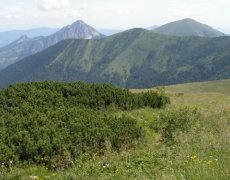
x=173, y=120
x=187, y=139
x=52, y=123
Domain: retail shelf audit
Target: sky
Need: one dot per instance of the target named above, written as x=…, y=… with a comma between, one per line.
x=111, y=14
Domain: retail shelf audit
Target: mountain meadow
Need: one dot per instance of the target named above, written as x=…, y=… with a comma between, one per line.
x=53, y=130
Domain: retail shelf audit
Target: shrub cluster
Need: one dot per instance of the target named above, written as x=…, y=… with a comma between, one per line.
x=55, y=139
x=54, y=123
x=170, y=121
x=53, y=94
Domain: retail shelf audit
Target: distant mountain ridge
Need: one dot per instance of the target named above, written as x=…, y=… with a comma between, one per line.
x=8, y=37
x=136, y=58
x=188, y=27
x=109, y=32
x=26, y=46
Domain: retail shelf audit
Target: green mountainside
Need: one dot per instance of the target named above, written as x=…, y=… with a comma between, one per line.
x=136, y=58
x=188, y=27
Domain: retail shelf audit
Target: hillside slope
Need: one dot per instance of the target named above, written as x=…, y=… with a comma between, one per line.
x=135, y=59
x=188, y=27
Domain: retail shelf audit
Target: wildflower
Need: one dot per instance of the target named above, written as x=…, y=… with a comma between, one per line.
x=193, y=157
x=209, y=162
x=34, y=177
x=105, y=166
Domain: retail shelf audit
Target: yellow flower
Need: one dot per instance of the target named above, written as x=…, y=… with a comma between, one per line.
x=193, y=157
x=209, y=162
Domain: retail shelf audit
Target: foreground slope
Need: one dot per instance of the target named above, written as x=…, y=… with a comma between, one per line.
x=201, y=153
x=136, y=58
x=188, y=27
x=26, y=46
x=55, y=123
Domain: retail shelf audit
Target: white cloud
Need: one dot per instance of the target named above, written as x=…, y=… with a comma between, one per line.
x=48, y=5
x=185, y=13
x=72, y=13
x=120, y=12
x=9, y=15
x=84, y=6
x=13, y=16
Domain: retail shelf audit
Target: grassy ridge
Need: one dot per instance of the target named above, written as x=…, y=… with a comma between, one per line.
x=201, y=153
x=135, y=58
x=221, y=86
x=188, y=27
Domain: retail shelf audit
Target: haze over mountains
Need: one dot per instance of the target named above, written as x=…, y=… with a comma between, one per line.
x=10, y=36
x=109, y=32
x=135, y=58
x=26, y=46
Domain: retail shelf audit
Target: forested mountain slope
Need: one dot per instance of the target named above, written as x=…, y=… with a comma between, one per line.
x=135, y=59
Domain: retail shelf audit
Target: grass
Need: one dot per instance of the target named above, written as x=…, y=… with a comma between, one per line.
x=201, y=153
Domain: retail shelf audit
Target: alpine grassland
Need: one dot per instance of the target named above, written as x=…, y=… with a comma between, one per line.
x=87, y=131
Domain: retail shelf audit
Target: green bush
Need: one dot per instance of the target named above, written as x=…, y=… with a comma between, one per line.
x=155, y=99
x=52, y=123
x=55, y=139
x=40, y=95
x=123, y=131
x=170, y=121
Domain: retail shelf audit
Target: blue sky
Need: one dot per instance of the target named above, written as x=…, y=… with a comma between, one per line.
x=116, y=14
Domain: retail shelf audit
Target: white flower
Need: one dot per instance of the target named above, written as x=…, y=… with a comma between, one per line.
x=34, y=177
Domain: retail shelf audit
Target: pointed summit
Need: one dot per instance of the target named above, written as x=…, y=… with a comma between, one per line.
x=78, y=22
x=25, y=46
x=188, y=27
x=79, y=30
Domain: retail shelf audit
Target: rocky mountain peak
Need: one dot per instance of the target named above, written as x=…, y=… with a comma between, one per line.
x=79, y=30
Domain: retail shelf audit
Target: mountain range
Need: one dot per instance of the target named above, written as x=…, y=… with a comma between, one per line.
x=188, y=51
x=135, y=58
x=26, y=46
x=8, y=37
x=109, y=32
